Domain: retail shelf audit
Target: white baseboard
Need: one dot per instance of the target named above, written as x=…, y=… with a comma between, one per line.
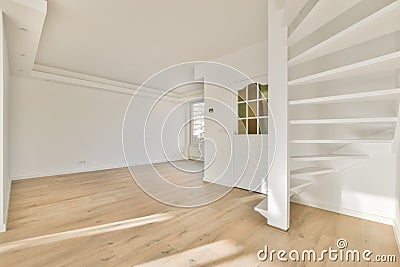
x=155, y=162
x=3, y=227
x=396, y=231
x=100, y=168
x=46, y=174
x=345, y=211
x=8, y=202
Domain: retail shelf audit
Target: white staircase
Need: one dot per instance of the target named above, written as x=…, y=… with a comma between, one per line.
x=304, y=172
x=333, y=46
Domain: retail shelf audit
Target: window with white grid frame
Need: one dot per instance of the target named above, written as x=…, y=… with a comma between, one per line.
x=197, y=122
x=252, y=108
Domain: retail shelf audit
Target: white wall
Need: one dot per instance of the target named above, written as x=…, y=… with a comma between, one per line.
x=54, y=126
x=4, y=145
x=152, y=131
x=251, y=61
x=219, y=130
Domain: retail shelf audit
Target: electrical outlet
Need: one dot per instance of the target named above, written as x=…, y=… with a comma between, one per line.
x=82, y=162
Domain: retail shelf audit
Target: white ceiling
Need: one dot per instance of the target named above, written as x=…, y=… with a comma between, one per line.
x=129, y=40
x=23, y=25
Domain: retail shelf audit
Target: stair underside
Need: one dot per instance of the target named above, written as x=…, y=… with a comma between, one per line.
x=371, y=96
x=383, y=63
x=345, y=121
x=379, y=23
x=313, y=19
x=341, y=141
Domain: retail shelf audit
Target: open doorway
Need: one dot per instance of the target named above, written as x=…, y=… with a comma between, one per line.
x=197, y=130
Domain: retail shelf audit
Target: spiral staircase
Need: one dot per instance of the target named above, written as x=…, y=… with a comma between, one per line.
x=343, y=86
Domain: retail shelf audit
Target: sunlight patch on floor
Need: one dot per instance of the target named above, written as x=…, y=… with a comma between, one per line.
x=83, y=232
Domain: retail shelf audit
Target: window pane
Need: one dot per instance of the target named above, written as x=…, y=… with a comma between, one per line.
x=241, y=126
x=263, y=108
x=263, y=90
x=252, y=127
x=242, y=95
x=252, y=91
x=252, y=109
x=197, y=123
x=242, y=110
x=263, y=126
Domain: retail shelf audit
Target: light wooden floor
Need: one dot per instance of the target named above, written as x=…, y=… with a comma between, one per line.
x=103, y=219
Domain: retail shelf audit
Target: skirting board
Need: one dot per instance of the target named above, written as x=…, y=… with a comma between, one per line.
x=7, y=203
x=349, y=212
x=396, y=231
x=47, y=174
x=2, y=227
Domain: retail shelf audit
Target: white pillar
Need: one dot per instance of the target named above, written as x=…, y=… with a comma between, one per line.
x=278, y=179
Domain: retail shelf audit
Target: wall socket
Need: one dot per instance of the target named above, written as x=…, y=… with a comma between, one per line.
x=82, y=162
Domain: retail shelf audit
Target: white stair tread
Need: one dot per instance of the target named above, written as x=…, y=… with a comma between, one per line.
x=341, y=141
x=310, y=171
x=296, y=184
x=380, y=23
x=378, y=95
x=262, y=207
x=320, y=14
x=383, y=63
x=345, y=120
x=323, y=157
